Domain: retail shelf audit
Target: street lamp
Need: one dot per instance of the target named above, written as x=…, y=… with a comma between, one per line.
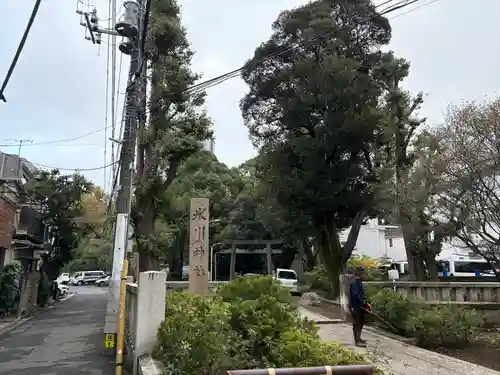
x=212, y=263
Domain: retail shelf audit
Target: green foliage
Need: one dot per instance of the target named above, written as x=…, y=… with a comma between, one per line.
x=195, y=334
x=395, y=307
x=251, y=288
x=439, y=326
x=318, y=279
x=61, y=196
x=176, y=127
x=444, y=326
x=8, y=289
x=314, y=112
x=241, y=329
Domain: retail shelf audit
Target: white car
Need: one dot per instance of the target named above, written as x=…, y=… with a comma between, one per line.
x=63, y=289
x=63, y=277
x=288, y=278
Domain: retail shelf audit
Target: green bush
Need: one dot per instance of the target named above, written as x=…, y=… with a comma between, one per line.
x=317, y=279
x=394, y=307
x=444, y=326
x=248, y=323
x=440, y=326
x=252, y=287
x=195, y=334
x=8, y=289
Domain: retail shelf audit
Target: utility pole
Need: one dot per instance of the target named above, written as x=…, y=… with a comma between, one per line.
x=129, y=28
x=20, y=142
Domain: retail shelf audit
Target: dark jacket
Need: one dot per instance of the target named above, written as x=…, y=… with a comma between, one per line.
x=356, y=294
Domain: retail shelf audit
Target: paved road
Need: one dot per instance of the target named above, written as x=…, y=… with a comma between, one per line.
x=64, y=339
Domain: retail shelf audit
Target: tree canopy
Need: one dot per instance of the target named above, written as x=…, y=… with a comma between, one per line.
x=313, y=110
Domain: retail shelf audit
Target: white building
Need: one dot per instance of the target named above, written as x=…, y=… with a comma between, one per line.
x=377, y=240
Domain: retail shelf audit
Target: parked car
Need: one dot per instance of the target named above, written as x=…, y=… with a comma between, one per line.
x=63, y=289
x=103, y=281
x=288, y=278
x=185, y=272
x=86, y=277
x=63, y=277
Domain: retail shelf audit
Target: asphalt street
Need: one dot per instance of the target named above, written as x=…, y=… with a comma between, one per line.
x=66, y=338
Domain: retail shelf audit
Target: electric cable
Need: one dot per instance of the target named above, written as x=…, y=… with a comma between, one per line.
x=202, y=86
x=108, y=57
x=13, y=64
x=65, y=140
x=71, y=169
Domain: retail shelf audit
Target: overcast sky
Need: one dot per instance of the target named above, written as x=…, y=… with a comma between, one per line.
x=58, y=88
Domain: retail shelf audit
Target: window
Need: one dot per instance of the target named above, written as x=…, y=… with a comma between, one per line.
x=471, y=267
x=390, y=242
x=287, y=275
x=443, y=266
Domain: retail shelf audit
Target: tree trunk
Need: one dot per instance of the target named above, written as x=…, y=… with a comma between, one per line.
x=309, y=254
x=144, y=232
x=331, y=253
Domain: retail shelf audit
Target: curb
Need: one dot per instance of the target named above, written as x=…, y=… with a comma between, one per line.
x=329, y=321
x=14, y=324
x=148, y=366
x=20, y=321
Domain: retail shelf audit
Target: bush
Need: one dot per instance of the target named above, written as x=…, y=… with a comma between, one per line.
x=248, y=323
x=8, y=290
x=444, y=326
x=394, y=307
x=195, y=334
x=252, y=287
x=440, y=326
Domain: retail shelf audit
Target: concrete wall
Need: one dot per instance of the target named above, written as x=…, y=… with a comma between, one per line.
x=466, y=293
x=145, y=310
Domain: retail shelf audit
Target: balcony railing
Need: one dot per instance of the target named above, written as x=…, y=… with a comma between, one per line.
x=30, y=225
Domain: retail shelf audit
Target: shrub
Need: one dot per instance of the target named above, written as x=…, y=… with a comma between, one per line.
x=247, y=324
x=8, y=289
x=395, y=307
x=252, y=287
x=371, y=266
x=444, y=326
x=195, y=334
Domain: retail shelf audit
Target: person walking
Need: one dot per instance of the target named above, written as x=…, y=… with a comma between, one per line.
x=356, y=304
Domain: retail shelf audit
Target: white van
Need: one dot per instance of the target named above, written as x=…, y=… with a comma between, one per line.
x=288, y=278
x=86, y=277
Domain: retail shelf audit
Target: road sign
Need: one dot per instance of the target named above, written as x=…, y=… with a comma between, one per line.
x=109, y=340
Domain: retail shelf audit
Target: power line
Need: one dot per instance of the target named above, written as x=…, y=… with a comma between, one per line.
x=19, y=49
x=199, y=87
x=71, y=169
x=56, y=145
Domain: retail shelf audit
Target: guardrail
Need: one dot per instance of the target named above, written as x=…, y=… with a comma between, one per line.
x=328, y=370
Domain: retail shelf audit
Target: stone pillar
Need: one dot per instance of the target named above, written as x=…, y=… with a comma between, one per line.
x=151, y=294
x=232, y=264
x=199, y=218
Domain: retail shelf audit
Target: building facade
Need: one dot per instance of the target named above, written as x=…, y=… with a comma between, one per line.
x=379, y=241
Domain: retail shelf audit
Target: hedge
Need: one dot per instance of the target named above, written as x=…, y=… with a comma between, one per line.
x=248, y=323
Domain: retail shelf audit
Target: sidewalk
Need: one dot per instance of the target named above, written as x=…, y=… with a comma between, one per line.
x=64, y=339
x=394, y=356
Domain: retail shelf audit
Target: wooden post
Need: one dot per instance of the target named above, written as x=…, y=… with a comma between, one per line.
x=198, y=245
x=232, y=266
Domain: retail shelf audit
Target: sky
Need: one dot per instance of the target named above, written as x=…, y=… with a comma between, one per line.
x=58, y=90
